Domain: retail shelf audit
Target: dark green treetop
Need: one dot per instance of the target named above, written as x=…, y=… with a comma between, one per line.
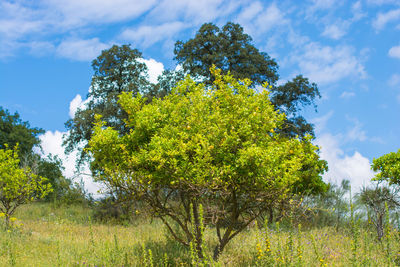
x=230, y=49
x=116, y=70
x=14, y=131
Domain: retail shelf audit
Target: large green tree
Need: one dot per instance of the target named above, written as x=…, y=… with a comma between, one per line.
x=119, y=69
x=231, y=50
x=116, y=70
x=212, y=145
x=14, y=131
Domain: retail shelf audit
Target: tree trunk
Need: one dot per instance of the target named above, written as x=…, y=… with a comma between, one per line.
x=218, y=249
x=271, y=214
x=198, y=238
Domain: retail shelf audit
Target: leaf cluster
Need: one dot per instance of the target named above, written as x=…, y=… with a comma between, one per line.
x=118, y=69
x=388, y=167
x=217, y=138
x=18, y=185
x=14, y=131
x=229, y=49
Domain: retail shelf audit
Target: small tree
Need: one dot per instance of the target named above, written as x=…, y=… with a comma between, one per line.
x=377, y=200
x=216, y=146
x=18, y=185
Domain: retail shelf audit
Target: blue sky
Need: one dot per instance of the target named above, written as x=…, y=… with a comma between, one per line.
x=351, y=49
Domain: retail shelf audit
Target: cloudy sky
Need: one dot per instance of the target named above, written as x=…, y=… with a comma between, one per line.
x=350, y=49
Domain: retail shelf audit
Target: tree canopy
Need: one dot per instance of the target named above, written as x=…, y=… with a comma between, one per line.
x=116, y=70
x=388, y=167
x=120, y=69
x=18, y=185
x=231, y=50
x=216, y=145
x=14, y=131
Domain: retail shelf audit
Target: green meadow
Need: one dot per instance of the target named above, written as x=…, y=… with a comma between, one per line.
x=44, y=234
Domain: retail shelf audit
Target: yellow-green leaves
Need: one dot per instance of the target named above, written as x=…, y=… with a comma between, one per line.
x=215, y=138
x=18, y=185
x=388, y=167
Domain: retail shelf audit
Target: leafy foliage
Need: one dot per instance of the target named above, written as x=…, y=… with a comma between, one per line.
x=388, y=167
x=329, y=208
x=229, y=49
x=116, y=70
x=14, y=131
x=379, y=200
x=18, y=185
x=290, y=98
x=217, y=146
x=64, y=190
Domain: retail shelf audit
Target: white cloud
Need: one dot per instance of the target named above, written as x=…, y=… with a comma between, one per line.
x=258, y=19
x=17, y=20
x=74, y=105
x=356, y=133
x=357, y=10
x=336, y=28
x=52, y=143
x=191, y=12
x=24, y=22
x=383, y=18
x=270, y=18
x=81, y=50
x=148, y=35
x=395, y=52
x=326, y=64
x=347, y=95
x=322, y=4
x=77, y=13
x=382, y=2
x=320, y=122
x=250, y=12
x=155, y=69
x=333, y=31
x=394, y=80
x=39, y=48
x=354, y=167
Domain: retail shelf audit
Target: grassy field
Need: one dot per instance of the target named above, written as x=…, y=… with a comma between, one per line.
x=46, y=235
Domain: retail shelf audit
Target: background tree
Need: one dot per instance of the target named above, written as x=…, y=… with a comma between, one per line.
x=18, y=185
x=166, y=81
x=388, y=167
x=116, y=70
x=329, y=208
x=14, y=131
x=199, y=145
x=379, y=200
x=230, y=49
x=65, y=191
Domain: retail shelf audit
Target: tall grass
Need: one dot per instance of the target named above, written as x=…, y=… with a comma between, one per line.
x=65, y=236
